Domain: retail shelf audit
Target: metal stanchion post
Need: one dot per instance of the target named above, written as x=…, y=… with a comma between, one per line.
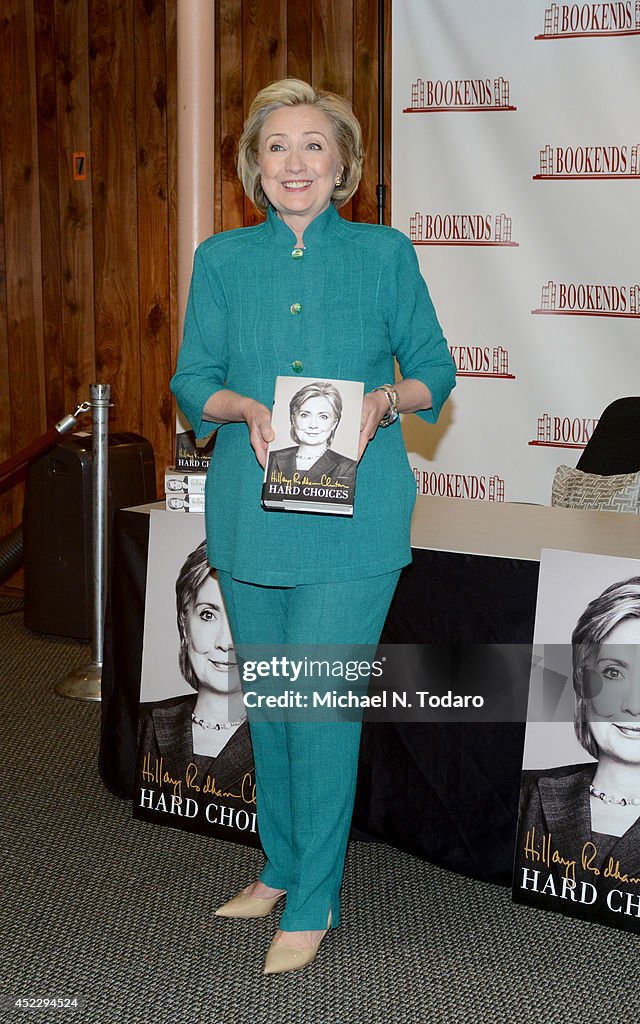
x=84, y=683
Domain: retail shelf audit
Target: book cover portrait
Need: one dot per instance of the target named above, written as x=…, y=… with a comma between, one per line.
x=312, y=461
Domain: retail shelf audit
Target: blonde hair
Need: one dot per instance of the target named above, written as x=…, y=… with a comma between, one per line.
x=292, y=92
x=614, y=605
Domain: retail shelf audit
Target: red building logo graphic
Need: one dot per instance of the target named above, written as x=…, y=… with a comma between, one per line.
x=481, y=361
x=592, y=162
x=563, y=431
x=459, y=485
x=562, y=299
x=461, y=229
x=568, y=21
x=496, y=488
x=470, y=94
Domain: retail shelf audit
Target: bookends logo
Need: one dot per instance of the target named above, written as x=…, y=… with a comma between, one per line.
x=481, y=361
x=567, y=21
x=459, y=485
x=461, y=229
x=561, y=163
x=568, y=299
x=563, y=431
x=459, y=94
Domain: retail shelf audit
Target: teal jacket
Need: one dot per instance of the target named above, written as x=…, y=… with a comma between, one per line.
x=344, y=309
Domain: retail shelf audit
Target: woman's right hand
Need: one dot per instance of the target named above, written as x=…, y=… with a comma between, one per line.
x=228, y=406
x=258, y=420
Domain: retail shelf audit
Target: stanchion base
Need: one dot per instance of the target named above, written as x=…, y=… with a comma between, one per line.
x=82, y=683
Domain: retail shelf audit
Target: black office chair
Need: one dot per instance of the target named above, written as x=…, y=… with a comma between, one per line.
x=614, y=446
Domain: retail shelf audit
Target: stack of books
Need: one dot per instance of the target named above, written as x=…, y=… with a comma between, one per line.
x=184, y=491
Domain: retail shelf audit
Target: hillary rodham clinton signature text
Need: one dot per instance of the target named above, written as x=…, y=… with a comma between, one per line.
x=183, y=796
x=562, y=883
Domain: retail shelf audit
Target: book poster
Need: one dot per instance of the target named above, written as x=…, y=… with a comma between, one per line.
x=194, y=765
x=578, y=842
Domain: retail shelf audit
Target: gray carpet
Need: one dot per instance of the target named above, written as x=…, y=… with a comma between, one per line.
x=119, y=913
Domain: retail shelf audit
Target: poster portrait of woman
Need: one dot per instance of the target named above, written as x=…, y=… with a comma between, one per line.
x=194, y=762
x=578, y=845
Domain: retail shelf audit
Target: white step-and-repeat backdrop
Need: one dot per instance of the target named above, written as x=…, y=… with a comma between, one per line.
x=516, y=173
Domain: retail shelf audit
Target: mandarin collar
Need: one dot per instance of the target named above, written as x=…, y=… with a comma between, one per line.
x=315, y=232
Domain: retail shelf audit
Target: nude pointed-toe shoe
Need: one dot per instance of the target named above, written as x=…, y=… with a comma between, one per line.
x=244, y=905
x=281, y=958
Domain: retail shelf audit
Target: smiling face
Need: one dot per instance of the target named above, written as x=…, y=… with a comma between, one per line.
x=614, y=715
x=299, y=161
x=314, y=422
x=209, y=640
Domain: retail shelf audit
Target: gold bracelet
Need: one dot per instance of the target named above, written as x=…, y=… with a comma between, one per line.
x=393, y=399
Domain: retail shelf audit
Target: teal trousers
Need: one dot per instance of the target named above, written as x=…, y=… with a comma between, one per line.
x=306, y=770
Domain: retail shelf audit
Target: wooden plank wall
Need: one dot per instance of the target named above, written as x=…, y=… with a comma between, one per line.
x=87, y=246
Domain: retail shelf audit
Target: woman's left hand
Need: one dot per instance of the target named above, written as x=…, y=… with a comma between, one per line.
x=374, y=407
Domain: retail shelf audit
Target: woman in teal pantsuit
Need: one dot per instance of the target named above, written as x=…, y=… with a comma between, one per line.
x=306, y=291
x=306, y=788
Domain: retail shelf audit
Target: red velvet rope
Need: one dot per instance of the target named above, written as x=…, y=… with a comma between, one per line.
x=14, y=469
x=13, y=464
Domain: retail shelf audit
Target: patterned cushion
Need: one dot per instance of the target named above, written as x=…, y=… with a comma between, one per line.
x=574, y=489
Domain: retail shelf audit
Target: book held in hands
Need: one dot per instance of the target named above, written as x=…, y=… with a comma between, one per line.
x=312, y=461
